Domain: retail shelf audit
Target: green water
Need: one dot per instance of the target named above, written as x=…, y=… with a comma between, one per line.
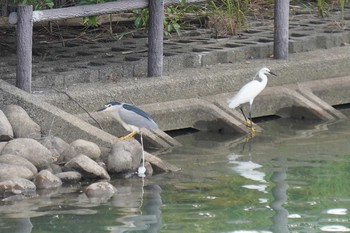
x=292, y=177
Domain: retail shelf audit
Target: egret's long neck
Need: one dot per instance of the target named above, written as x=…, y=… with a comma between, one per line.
x=263, y=78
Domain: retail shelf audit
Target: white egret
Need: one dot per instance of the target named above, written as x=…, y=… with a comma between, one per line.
x=248, y=93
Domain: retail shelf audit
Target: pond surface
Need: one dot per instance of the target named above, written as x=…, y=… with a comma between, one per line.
x=292, y=177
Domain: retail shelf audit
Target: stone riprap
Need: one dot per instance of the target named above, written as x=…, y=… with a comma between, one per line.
x=29, y=165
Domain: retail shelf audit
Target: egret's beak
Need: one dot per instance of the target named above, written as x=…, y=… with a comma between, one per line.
x=273, y=73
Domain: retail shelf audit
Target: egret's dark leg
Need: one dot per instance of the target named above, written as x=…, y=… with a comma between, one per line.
x=247, y=121
x=245, y=118
x=250, y=116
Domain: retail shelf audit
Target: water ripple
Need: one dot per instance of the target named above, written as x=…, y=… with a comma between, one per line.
x=338, y=211
x=335, y=228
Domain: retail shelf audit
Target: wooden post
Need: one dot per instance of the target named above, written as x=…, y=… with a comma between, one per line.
x=155, y=38
x=24, y=47
x=4, y=8
x=281, y=29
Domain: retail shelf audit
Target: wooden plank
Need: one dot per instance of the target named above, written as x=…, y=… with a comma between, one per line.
x=88, y=10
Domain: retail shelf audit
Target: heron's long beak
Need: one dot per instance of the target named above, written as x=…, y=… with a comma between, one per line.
x=102, y=109
x=273, y=73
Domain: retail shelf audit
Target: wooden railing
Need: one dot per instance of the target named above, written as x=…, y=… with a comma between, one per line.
x=25, y=17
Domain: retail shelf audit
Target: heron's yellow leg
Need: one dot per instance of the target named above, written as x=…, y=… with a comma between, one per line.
x=130, y=135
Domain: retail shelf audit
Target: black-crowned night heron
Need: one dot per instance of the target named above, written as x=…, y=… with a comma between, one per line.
x=133, y=120
x=130, y=117
x=248, y=92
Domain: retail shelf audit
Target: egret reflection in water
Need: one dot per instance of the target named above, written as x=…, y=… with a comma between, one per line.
x=245, y=167
x=248, y=169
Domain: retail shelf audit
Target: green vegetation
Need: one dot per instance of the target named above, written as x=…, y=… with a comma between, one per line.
x=342, y=7
x=172, y=17
x=225, y=17
x=323, y=7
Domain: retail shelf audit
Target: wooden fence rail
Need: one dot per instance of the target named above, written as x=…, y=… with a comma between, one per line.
x=90, y=10
x=25, y=17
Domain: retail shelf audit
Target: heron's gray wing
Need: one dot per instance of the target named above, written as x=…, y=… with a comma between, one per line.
x=134, y=116
x=136, y=110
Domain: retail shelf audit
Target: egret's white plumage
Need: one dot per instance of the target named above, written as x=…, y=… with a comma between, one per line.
x=250, y=90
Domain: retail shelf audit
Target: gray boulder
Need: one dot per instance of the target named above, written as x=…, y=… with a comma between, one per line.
x=149, y=169
x=125, y=155
x=101, y=190
x=55, y=145
x=6, y=132
x=69, y=177
x=30, y=149
x=2, y=145
x=23, y=126
x=18, y=160
x=46, y=180
x=15, y=186
x=11, y=170
x=54, y=168
x=78, y=147
x=87, y=167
